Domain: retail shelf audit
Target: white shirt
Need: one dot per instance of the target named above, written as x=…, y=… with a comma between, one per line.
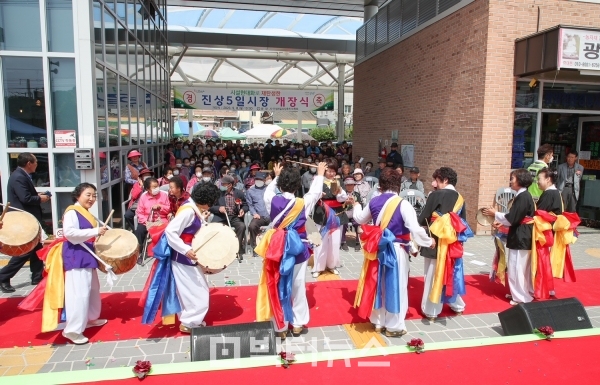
x=180, y=222
x=409, y=216
x=310, y=198
x=72, y=231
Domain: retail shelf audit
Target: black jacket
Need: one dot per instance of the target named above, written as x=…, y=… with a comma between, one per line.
x=519, y=235
x=22, y=194
x=443, y=202
x=219, y=216
x=395, y=157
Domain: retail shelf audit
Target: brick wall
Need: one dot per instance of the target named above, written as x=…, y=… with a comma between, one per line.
x=449, y=90
x=430, y=87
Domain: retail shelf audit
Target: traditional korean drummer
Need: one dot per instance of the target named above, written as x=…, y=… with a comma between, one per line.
x=72, y=289
x=191, y=285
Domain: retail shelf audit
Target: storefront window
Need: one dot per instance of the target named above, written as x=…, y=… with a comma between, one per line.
x=590, y=146
x=64, y=170
x=59, y=14
x=560, y=130
x=571, y=96
x=101, y=125
x=41, y=176
x=20, y=22
x=125, y=103
x=115, y=165
x=527, y=97
x=523, y=139
x=63, y=200
x=64, y=94
x=23, y=80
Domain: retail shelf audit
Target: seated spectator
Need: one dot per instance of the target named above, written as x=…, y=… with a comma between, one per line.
x=134, y=196
x=230, y=210
x=400, y=170
x=361, y=186
x=413, y=183
x=256, y=205
x=177, y=172
x=249, y=181
x=177, y=195
x=153, y=205
x=197, y=177
x=167, y=175
x=186, y=169
x=369, y=169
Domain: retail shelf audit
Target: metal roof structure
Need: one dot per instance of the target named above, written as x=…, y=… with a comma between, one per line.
x=260, y=49
x=350, y=8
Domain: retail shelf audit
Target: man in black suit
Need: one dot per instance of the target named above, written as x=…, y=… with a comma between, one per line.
x=22, y=195
x=395, y=157
x=231, y=204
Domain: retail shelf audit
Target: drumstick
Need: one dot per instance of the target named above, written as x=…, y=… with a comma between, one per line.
x=428, y=229
x=204, y=243
x=304, y=164
x=109, y=216
x=6, y=206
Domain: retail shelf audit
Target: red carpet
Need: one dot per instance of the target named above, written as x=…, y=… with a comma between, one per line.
x=556, y=362
x=330, y=304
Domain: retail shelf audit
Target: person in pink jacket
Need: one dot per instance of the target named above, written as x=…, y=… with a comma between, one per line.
x=153, y=205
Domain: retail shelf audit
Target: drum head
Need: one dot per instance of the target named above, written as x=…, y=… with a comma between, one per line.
x=484, y=220
x=19, y=228
x=116, y=243
x=216, y=245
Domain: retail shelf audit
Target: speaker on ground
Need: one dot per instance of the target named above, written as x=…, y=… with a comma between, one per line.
x=560, y=314
x=232, y=341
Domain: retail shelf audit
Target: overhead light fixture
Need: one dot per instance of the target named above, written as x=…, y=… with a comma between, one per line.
x=589, y=72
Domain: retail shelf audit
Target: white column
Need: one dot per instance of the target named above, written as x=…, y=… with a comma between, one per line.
x=370, y=11
x=340, y=121
x=299, y=131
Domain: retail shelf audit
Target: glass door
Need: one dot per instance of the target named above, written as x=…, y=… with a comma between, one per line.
x=589, y=157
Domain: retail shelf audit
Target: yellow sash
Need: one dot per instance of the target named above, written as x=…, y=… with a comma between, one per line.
x=539, y=226
x=263, y=305
x=562, y=237
x=501, y=269
x=442, y=228
x=389, y=211
x=54, y=295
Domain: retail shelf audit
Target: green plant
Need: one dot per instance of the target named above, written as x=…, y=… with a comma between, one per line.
x=323, y=134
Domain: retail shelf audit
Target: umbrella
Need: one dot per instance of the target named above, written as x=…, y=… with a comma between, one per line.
x=294, y=137
x=207, y=133
x=280, y=133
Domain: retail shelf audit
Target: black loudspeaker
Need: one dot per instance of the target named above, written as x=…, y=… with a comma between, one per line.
x=560, y=314
x=232, y=341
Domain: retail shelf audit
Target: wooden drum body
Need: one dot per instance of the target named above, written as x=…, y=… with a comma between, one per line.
x=215, y=246
x=118, y=248
x=20, y=233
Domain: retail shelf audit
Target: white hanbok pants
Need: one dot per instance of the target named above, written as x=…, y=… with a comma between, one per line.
x=394, y=322
x=519, y=275
x=192, y=292
x=299, y=301
x=428, y=308
x=82, y=299
x=327, y=255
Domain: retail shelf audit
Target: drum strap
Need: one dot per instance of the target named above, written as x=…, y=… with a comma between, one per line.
x=84, y=213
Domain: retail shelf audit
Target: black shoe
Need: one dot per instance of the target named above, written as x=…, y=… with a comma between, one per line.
x=344, y=246
x=6, y=288
x=36, y=282
x=357, y=247
x=240, y=258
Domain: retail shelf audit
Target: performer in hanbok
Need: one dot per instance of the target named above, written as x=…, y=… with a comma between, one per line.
x=284, y=248
x=70, y=287
x=445, y=216
x=519, y=239
x=330, y=217
x=382, y=290
x=177, y=283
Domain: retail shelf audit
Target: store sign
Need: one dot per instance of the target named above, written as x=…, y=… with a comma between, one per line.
x=252, y=100
x=65, y=139
x=579, y=49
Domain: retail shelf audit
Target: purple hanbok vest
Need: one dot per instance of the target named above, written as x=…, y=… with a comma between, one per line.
x=278, y=204
x=396, y=225
x=74, y=255
x=187, y=235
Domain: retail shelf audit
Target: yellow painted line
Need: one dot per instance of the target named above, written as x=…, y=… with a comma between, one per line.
x=4, y=262
x=593, y=252
x=21, y=360
x=363, y=334
x=328, y=276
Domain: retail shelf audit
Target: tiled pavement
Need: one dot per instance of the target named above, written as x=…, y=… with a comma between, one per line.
x=478, y=254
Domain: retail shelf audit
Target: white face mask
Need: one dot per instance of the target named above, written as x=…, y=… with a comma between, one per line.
x=206, y=179
x=205, y=161
x=247, y=159
x=178, y=165
x=267, y=182
x=155, y=191
x=232, y=169
x=176, y=172
x=313, y=169
x=170, y=176
x=228, y=163
x=185, y=147
x=192, y=162
x=259, y=183
x=214, y=158
x=199, y=174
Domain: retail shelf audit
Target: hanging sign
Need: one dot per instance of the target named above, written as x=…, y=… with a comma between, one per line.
x=579, y=49
x=252, y=100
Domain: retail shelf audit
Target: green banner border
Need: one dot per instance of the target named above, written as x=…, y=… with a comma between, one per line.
x=83, y=376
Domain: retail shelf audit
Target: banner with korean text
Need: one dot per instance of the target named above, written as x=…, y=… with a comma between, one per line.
x=252, y=100
x=579, y=49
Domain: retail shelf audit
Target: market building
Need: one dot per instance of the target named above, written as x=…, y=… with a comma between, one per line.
x=478, y=85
